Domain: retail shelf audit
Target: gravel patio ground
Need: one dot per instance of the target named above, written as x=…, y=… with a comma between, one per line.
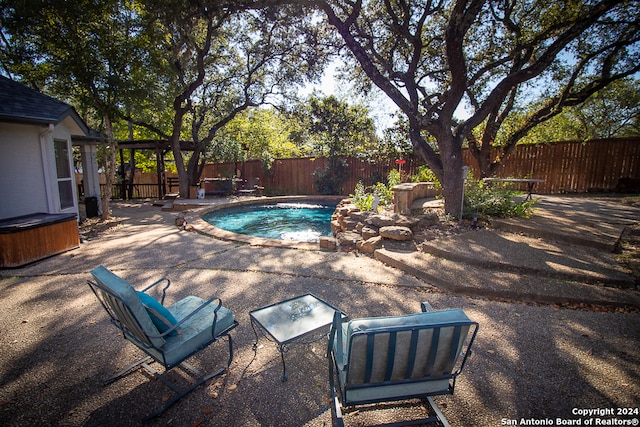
x=530, y=361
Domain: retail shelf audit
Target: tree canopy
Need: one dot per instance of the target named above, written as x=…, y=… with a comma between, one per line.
x=333, y=127
x=612, y=112
x=433, y=58
x=180, y=71
x=183, y=71
x=93, y=55
x=256, y=133
x=224, y=60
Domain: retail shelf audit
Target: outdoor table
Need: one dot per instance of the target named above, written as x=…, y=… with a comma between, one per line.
x=219, y=186
x=292, y=319
x=531, y=182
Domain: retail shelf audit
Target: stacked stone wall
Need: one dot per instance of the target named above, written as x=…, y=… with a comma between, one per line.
x=365, y=232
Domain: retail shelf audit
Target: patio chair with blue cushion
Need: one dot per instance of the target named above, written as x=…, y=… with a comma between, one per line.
x=168, y=335
x=391, y=359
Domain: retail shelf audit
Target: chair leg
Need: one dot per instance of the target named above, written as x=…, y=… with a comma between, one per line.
x=126, y=371
x=339, y=420
x=195, y=385
x=438, y=412
x=336, y=414
x=183, y=393
x=180, y=393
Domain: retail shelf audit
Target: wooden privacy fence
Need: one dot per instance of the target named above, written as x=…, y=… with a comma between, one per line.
x=295, y=176
x=566, y=167
x=573, y=167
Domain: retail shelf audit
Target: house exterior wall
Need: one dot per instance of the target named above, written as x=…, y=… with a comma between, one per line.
x=28, y=170
x=22, y=171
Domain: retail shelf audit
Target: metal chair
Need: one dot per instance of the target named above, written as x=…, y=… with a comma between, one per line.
x=251, y=187
x=168, y=335
x=390, y=359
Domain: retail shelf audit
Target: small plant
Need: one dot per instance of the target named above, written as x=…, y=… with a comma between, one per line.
x=425, y=174
x=393, y=178
x=364, y=197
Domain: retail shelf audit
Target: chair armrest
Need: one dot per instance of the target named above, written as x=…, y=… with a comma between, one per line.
x=335, y=339
x=467, y=354
x=425, y=307
x=164, y=290
x=175, y=328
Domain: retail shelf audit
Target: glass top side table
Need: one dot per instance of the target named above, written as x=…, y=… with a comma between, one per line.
x=290, y=320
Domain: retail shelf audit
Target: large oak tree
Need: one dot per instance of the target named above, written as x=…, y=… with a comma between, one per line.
x=432, y=57
x=221, y=60
x=180, y=70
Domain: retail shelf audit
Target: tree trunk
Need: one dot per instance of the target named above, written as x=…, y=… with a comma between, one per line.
x=452, y=182
x=110, y=167
x=447, y=166
x=192, y=166
x=174, y=141
x=183, y=177
x=132, y=173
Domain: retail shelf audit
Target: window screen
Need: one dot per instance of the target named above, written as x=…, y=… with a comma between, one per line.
x=63, y=170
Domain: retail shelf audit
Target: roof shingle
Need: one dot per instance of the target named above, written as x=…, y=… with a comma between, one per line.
x=21, y=103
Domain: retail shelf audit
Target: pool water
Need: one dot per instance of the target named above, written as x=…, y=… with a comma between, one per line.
x=298, y=222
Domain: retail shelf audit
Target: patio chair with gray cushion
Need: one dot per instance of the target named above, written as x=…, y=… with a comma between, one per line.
x=391, y=359
x=168, y=335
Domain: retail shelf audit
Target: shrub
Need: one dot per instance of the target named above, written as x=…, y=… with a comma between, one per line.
x=329, y=180
x=425, y=174
x=483, y=200
x=363, y=197
x=480, y=200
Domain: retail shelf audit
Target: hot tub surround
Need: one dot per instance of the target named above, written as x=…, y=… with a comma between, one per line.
x=29, y=238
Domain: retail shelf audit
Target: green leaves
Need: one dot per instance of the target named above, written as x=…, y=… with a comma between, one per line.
x=258, y=133
x=336, y=128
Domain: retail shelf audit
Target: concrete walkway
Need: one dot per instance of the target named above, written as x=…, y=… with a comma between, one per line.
x=530, y=361
x=562, y=254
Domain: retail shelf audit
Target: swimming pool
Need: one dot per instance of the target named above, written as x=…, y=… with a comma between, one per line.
x=287, y=221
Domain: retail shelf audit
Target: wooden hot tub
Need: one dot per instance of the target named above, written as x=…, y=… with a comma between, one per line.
x=29, y=238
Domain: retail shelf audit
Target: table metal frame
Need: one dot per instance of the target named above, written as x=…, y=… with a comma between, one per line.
x=531, y=182
x=272, y=329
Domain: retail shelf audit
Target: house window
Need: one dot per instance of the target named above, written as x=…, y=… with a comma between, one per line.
x=63, y=170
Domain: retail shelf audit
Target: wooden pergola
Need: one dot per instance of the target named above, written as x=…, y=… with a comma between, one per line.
x=160, y=147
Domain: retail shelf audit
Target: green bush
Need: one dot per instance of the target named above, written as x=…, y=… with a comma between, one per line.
x=425, y=174
x=328, y=181
x=482, y=200
x=393, y=178
x=363, y=197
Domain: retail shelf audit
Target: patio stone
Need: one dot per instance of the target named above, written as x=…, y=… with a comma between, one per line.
x=380, y=220
x=395, y=232
x=346, y=240
x=370, y=245
x=369, y=232
x=328, y=243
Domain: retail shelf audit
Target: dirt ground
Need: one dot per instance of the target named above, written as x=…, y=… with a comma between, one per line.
x=531, y=361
